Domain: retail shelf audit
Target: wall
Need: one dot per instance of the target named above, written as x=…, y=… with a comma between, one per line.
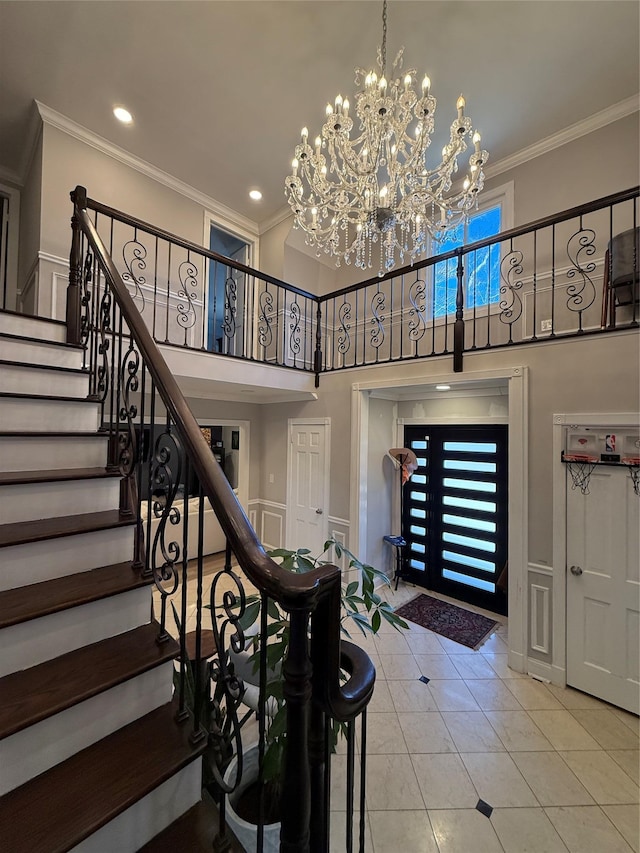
x=30, y=218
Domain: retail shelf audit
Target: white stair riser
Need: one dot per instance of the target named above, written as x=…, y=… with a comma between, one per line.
x=34, y=453
x=18, y=379
x=25, y=415
x=30, y=501
x=67, y=555
x=32, y=751
x=32, y=327
x=48, y=637
x=145, y=819
x=43, y=352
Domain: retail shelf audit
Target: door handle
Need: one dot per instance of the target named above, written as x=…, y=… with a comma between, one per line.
x=575, y=570
x=318, y=511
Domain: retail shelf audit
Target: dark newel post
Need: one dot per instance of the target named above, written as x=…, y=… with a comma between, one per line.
x=79, y=199
x=317, y=750
x=296, y=799
x=458, y=328
x=317, y=358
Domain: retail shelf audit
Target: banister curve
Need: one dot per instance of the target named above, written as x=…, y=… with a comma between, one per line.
x=292, y=591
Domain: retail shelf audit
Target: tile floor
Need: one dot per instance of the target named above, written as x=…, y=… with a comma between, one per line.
x=482, y=759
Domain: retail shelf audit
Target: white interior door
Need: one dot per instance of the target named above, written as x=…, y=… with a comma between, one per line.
x=603, y=589
x=308, y=492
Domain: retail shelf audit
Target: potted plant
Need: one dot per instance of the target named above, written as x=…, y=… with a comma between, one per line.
x=363, y=609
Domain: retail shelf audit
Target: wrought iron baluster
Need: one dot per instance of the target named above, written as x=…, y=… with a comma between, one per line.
x=510, y=302
x=458, y=328
x=134, y=255
x=417, y=320
x=230, y=321
x=582, y=294
x=363, y=778
x=168, y=296
x=378, y=307
x=534, y=337
x=553, y=281
x=187, y=292
x=351, y=750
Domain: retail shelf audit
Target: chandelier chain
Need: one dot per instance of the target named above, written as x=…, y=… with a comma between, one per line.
x=384, y=38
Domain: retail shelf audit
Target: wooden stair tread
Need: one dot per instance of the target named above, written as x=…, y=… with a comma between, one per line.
x=59, y=808
x=41, y=691
x=41, y=599
x=193, y=832
x=42, y=341
x=51, y=398
x=11, y=478
x=20, y=532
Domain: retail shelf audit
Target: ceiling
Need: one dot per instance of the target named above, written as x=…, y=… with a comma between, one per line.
x=220, y=90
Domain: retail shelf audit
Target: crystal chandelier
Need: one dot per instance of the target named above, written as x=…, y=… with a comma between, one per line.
x=377, y=188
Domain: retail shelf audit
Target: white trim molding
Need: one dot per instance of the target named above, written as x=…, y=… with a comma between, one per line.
x=55, y=119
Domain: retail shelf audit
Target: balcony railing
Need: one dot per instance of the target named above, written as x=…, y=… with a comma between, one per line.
x=552, y=278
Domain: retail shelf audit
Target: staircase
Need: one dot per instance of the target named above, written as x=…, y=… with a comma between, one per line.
x=91, y=756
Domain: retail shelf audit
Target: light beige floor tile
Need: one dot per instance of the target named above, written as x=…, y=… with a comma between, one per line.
x=392, y=784
x=425, y=733
x=339, y=783
x=553, y=783
x=607, y=729
x=495, y=644
x=338, y=832
x=463, y=831
x=563, y=730
x=630, y=720
x=517, y=731
x=626, y=820
x=444, y=782
x=408, y=832
x=384, y=735
x=452, y=695
x=451, y=647
x=576, y=699
x=381, y=700
x=497, y=779
x=629, y=760
x=401, y=667
x=493, y=695
x=392, y=644
x=500, y=663
x=425, y=644
x=526, y=830
x=533, y=695
x=606, y=782
x=473, y=666
x=375, y=660
x=472, y=732
x=437, y=666
x=411, y=696
x=585, y=829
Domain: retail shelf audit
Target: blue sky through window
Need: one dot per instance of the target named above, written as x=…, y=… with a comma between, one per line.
x=482, y=268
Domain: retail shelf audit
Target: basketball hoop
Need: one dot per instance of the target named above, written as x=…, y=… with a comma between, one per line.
x=633, y=464
x=580, y=467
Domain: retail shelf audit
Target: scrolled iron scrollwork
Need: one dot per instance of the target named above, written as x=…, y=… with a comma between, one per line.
x=377, y=319
x=188, y=276
x=417, y=312
x=265, y=312
x=225, y=726
x=166, y=476
x=510, y=302
x=229, y=324
x=134, y=254
x=581, y=293
x=127, y=438
x=85, y=299
x=344, y=339
x=104, y=328
x=295, y=344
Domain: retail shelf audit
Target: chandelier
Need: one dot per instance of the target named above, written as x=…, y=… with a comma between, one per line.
x=350, y=194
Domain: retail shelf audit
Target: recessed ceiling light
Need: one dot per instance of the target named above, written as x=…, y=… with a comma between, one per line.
x=256, y=195
x=443, y=387
x=123, y=115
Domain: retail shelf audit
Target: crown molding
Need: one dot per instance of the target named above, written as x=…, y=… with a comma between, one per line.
x=278, y=217
x=77, y=131
x=581, y=128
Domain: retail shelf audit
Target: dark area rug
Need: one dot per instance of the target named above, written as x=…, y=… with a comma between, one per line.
x=457, y=624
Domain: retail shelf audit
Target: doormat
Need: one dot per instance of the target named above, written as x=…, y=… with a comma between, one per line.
x=457, y=624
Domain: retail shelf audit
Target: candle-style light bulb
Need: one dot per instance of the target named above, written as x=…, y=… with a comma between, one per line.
x=460, y=105
x=328, y=109
x=383, y=193
x=304, y=133
x=466, y=184
x=294, y=166
x=383, y=85
x=426, y=85
x=338, y=103
x=318, y=144
x=477, y=139
x=407, y=81
x=345, y=107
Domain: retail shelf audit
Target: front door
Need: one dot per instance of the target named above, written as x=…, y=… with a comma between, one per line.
x=603, y=588
x=307, y=503
x=455, y=512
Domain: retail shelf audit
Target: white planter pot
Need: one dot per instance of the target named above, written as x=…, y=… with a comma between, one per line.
x=247, y=833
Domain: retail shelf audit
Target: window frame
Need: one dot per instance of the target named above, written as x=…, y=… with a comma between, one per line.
x=501, y=196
